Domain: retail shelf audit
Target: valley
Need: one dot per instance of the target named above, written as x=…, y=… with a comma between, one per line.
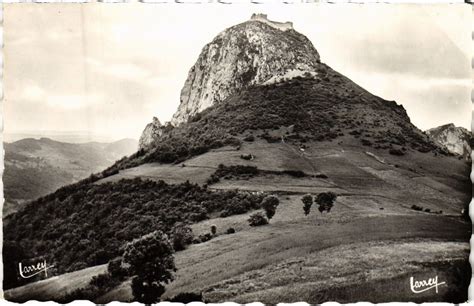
x=36, y=167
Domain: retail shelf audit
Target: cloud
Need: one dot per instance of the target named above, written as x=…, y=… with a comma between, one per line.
x=33, y=92
x=71, y=102
x=121, y=70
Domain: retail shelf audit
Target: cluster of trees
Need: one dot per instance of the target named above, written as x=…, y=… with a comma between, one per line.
x=269, y=205
x=88, y=224
x=325, y=201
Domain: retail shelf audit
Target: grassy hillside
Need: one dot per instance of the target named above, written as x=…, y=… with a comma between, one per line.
x=376, y=190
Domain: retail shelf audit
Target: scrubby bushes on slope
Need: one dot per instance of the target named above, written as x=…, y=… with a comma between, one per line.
x=315, y=108
x=257, y=219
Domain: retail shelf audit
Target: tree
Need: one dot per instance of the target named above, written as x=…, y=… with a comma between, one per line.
x=269, y=204
x=257, y=219
x=325, y=201
x=181, y=236
x=151, y=260
x=307, y=200
x=213, y=230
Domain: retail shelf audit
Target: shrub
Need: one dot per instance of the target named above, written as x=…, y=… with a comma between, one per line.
x=212, y=179
x=151, y=260
x=396, y=152
x=205, y=237
x=187, y=297
x=257, y=219
x=230, y=230
x=181, y=236
x=249, y=138
x=247, y=156
x=416, y=207
x=295, y=173
x=325, y=201
x=269, y=204
x=116, y=270
x=366, y=142
x=101, y=281
x=307, y=200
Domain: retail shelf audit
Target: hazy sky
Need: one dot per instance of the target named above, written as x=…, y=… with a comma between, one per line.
x=108, y=69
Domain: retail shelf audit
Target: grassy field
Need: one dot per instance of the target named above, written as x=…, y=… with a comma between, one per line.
x=370, y=243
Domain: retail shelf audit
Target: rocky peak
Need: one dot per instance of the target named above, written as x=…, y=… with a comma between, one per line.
x=455, y=139
x=247, y=54
x=152, y=132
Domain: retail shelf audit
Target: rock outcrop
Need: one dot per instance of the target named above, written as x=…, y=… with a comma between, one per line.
x=152, y=132
x=455, y=139
x=247, y=54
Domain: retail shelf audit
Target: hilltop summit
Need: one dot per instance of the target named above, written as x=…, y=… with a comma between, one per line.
x=283, y=26
x=244, y=55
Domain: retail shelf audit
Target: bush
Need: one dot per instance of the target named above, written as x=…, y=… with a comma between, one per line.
x=416, y=207
x=257, y=219
x=269, y=204
x=249, y=138
x=101, y=281
x=116, y=270
x=187, y=297
x=247, y=156
x=325, y=201
x=396, y=152
x=307, y=200
x=181, y=236
x=295, y=173
x=366, y=142
x=230, y=230
x=205, y=237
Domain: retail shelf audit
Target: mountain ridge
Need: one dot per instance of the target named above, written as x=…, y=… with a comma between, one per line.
x=35, y=167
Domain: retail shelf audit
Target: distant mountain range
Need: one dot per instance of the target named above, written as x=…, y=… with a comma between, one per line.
x=35, y=167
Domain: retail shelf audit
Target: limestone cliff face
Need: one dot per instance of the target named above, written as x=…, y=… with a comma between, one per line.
x=454, y=139
x=247, y=54
x=152, y=132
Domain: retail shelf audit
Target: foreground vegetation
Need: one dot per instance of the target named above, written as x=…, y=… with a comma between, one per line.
x=89, y=224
